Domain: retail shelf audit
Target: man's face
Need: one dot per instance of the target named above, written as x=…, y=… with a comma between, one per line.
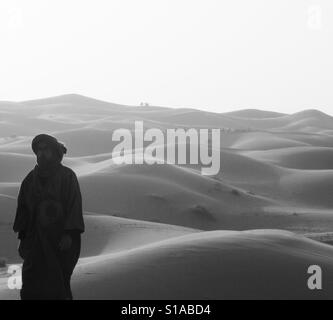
x=44, y=153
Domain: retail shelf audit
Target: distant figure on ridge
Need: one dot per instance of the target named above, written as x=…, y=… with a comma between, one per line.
x=49, y=222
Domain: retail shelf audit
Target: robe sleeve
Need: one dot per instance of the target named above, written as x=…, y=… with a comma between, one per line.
x=22, y=214
x=73, y=210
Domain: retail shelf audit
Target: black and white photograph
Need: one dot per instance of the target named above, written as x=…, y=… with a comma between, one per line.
x=166, y=150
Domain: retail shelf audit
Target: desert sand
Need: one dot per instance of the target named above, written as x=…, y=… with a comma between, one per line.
x=165, y=231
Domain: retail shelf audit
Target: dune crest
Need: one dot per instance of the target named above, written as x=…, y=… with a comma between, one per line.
x=166, y=231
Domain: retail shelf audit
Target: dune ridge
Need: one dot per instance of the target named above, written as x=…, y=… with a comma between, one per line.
x=166, y=231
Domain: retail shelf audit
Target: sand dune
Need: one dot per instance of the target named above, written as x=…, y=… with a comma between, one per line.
x=160, y=231
x=103, y=234
x=309, y=118
x=107, y=234
x=209, y=265
x=312, y=188
x=164, y=193
x=312, y=139
x=255, y=114
x=265, y=141
x=303, y=158
x=206, y=265
x=8, y=242
x=76, y=104
x=15, y=166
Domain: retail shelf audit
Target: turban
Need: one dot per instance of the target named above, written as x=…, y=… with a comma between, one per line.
x=59, y=147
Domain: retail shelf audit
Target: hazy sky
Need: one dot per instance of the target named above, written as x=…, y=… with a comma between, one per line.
x=209, y=54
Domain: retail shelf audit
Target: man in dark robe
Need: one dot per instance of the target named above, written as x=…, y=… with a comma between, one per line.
x=49, y=222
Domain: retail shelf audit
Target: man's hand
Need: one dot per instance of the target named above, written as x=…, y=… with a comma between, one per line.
x=65, y=242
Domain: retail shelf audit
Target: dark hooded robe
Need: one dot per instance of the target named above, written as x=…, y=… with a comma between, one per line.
x=49, y=205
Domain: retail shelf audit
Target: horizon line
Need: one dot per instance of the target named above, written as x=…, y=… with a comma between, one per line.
x=78, y=95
